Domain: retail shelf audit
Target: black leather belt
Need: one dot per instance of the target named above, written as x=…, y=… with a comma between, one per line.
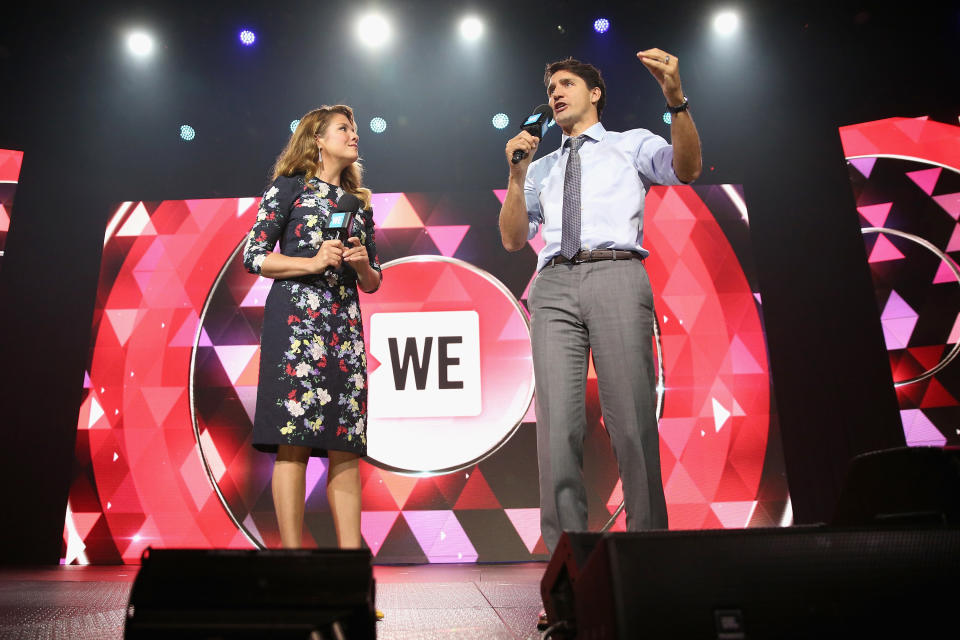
x=595, y=255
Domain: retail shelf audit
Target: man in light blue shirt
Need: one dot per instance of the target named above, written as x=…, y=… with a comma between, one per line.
x=592, y=291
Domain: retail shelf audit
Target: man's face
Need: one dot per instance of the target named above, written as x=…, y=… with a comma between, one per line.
x=570, y=98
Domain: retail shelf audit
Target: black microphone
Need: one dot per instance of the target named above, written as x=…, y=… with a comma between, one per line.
x=535, y=125
x=341, y=218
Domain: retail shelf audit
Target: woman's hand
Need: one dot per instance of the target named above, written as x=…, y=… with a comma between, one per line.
x=356, y=255
x=331, y=254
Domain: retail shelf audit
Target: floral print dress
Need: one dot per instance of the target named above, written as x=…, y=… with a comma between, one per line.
x=313, y=368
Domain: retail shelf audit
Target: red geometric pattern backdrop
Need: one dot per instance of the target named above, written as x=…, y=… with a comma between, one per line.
x=905, y=174
x=163, y=455
x=10, y=162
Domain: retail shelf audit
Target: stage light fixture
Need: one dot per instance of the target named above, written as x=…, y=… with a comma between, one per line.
x=374, y=30
x=471, y=28
x=378, y=125
x=726, y=22
x=600, y=25
x=140, y=43
x=500, y=121
x=247, y=37
x=293, y=125
x=667, y=118
x=187, y=132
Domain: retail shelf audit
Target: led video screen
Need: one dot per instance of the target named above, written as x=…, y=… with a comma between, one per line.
x=905, y=174
x=163, y=454
x=10, y=162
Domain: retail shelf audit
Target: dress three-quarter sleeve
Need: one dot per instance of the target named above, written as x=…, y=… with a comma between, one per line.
x=369, y=240
x=271, y=220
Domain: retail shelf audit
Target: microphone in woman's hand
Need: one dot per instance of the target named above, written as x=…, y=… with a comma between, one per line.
x=341, y=218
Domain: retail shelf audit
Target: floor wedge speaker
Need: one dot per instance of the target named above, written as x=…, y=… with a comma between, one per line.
x=316, y=593
x=563, y=571
x=909, y=485
x=751, y=584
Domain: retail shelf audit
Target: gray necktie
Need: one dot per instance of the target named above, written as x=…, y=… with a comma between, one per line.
x=570, y=228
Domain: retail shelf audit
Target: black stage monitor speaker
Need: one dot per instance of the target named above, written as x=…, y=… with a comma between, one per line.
x=915, y=485
x=563, y=572
x=795, y=582
x=311, y=593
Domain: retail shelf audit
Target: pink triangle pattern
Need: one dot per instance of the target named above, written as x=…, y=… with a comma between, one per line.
x=147, y=535
x=143, y=279
x=884, y=250
x=514, y=329
x=897, y=307
x=864, y=165
x=122, y=321
x=441, y=536
x=926, y=179
x=151, y=257
x=10, y=163
x=188, y=330
x=214, y=461
x=737, y=409
x=448, y=238
x=257, y=295
x=501, y=194
x=195, y=477
x=235, y=358
x=897, y=332
x=944, y=274
x=160, y=401
x=954, y=242
x=248, y=398
x=950, y=203
x=250, y=525
x=733, y=515
x=743, y=360
x=382, y=204
x=919, y=431
x=876, y=214
x=912, y=127
x=4, y=219
x=675, y=433
x=681, y=488
x=526, y=292
x=90, y=412
x=316, y=470
x=375, y=526
x=138, y=223
x=955, y=332
x=527, y=524
x=84, y=522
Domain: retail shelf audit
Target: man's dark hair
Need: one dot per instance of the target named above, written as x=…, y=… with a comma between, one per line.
x=586, y=71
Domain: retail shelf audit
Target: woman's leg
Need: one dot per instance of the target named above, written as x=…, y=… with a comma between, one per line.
x=343, y=494
x=289, y=487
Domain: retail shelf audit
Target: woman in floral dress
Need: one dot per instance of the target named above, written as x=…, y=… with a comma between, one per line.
x=312, y=394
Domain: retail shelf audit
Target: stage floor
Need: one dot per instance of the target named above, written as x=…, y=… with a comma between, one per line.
x=481, y=601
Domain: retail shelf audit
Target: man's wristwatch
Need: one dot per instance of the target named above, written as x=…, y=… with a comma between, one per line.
x=683, y=106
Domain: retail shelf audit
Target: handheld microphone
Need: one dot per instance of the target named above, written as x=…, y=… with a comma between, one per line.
x=535, y=125
x=341, y=218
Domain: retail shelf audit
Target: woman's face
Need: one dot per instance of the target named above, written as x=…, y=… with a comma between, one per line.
x=339, y=141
